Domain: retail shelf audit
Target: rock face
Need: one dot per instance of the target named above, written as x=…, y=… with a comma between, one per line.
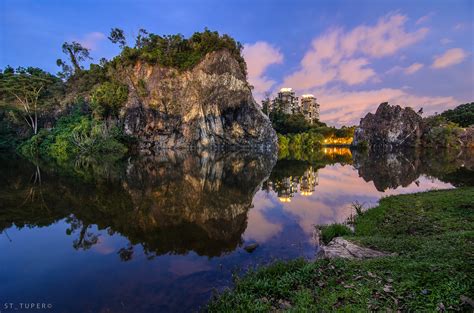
x=390, y=127
x=210, y=106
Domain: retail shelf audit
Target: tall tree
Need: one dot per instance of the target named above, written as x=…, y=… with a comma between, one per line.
x=28, y=88
x=76, y=53
x=142, y=38
x=117, y=36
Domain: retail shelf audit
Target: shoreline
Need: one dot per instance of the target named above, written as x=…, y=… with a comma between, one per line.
x=431, y=234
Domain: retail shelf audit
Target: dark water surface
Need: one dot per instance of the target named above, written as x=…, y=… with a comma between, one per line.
x=164, y=233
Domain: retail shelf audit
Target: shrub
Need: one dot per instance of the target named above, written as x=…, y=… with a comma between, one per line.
x=74, y=136
x=107, y=99
x=329, y=232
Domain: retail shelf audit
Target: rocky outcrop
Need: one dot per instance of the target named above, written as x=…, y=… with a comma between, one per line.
x=342, y=248
x=390, y=127
x=209, y=106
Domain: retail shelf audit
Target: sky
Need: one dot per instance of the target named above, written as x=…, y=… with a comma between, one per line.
x=352, y=55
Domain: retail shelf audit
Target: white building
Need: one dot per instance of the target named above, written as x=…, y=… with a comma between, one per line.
x=310, y=108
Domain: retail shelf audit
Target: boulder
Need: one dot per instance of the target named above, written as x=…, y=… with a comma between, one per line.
x=209, y=106
x=342, y=248
x=389, y=128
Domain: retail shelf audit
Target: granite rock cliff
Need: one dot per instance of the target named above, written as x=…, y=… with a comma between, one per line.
x=390, y=127
x=209, y=106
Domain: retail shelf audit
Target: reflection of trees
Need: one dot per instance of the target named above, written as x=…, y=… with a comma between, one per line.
x=299, y=170
x=401, y=168
x=86, y=239
x=169, y=203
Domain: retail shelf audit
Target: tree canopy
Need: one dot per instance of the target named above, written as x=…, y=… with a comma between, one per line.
x=463, y=114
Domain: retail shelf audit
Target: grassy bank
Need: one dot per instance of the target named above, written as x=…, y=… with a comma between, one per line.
x=433, y=235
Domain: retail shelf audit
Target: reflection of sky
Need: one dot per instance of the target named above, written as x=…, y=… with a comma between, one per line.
x=40, y=264
x=339, y=186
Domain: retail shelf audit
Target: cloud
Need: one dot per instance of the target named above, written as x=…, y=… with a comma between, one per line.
x=345, y=56
x=450, y=57
x=259, y=56
x=409, y=70
x=424, y=18
x=415, y=67
x=92, y=40
x=339, y=107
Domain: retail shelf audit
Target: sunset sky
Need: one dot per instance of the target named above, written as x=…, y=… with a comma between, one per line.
x=351, y=54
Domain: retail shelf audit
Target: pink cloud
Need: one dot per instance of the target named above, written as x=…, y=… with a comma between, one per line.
x=336, y=55
x=92, y=40
x=415, y=67
x=409, y=70
x=451, y=57
x=259, y=56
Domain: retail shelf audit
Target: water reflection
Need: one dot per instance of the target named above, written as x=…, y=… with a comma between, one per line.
x=159, y=233
x=169, y=203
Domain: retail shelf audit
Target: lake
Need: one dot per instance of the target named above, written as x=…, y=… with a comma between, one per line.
x=166, y=232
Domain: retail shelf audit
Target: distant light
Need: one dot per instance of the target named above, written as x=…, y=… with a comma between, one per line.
x=307, y=96
x=286, y=89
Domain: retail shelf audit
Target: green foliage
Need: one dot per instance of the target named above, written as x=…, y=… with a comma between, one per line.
x=76, y=53
x=31, y=91
x=440, y=133
x=107, y=99
x=302, y=141
x=75, y=136
x=142, y=89
x=179, y=52
x=431, y=233
x=462, y=115
x=328, y=232
x=289, y=123
x=84, y=81
x=117, y=36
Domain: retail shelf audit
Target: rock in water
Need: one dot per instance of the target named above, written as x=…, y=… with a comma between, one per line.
x=251, y=247
x=209, y=106
x=390, y=127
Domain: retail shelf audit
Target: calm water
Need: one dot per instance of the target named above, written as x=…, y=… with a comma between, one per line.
x=164, y=233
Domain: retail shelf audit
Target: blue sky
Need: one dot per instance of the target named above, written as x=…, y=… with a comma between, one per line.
x=351, y=54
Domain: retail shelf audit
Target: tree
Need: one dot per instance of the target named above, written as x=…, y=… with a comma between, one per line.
x=142, y=39
x=117, y=36
x=107, y=99
x=28, y=88
x=76, y=53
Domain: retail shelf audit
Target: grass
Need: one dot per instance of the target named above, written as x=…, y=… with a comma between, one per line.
x=328, y=232
x=432, y=234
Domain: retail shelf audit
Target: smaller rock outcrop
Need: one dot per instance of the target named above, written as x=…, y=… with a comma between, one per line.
x=342, y=248
x=390, y=127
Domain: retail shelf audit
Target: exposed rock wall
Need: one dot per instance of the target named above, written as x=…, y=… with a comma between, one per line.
x=390, y=127
x=210, y=106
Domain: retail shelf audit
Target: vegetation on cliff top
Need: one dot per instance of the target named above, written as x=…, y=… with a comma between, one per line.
x=432, y=234
x=175, y=50
x=463, y=115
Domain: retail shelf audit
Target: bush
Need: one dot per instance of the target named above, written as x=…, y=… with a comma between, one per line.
x=440, y=133
x=329, y=232
x=74, y=136
x=107, y=99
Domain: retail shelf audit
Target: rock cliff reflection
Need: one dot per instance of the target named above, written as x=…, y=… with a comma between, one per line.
x=169, y=203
